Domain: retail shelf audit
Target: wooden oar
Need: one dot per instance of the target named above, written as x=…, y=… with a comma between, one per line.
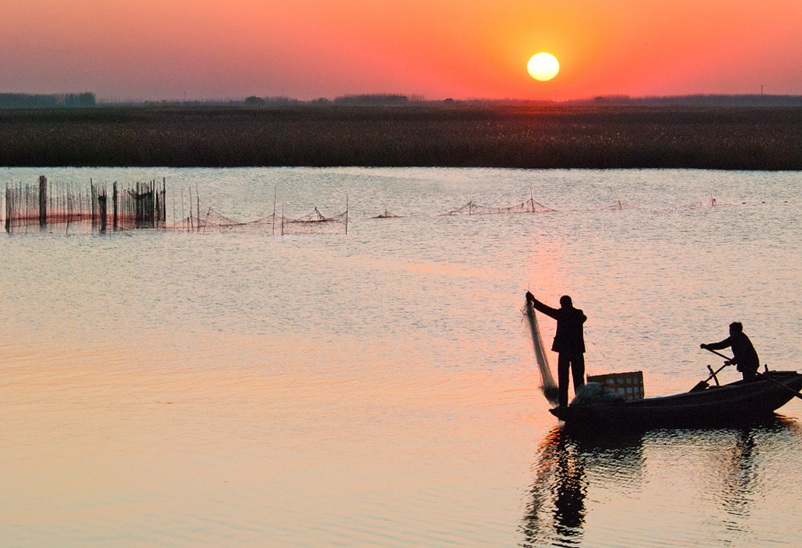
x=762, y=376
x=702, y=385
x=719, y=354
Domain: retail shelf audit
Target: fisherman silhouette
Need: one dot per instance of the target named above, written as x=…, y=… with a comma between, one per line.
x=560, y=479
x=744, y=354
x=569, y=343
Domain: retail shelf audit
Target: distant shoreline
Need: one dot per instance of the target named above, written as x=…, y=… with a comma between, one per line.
x=459, y=135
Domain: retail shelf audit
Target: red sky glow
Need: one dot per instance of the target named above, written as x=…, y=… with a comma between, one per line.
x=469, y=49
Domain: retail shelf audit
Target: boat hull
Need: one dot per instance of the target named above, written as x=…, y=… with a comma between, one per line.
x=734, y=403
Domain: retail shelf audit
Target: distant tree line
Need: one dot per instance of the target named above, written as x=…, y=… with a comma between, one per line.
x=371, y=99
x=27, y=100
x=254, y=101
x=395, y=99
x=84, y=100
x=753, y=100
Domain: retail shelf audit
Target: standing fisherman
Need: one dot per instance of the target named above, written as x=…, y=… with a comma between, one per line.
x=744, y=354
x=569, y=343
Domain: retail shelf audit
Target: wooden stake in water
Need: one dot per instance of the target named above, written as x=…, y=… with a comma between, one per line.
x=114, y=198
x=42, y=201
x=191, y=226
x=275, y=195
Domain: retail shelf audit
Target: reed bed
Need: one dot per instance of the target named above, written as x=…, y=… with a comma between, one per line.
x=458, y=135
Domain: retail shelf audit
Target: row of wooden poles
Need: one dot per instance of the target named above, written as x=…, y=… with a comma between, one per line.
x=44, y=204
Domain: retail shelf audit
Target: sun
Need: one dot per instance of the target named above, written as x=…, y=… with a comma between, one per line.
x=543, y=66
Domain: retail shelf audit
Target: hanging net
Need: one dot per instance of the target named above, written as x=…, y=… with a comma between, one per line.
x=472, y=208
x=386, y=215
x=547, y=384
x=316, y=223
x=211, y=220
x=208, y=219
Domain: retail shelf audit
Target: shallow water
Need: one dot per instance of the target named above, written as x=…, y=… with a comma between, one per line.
x=379, y=388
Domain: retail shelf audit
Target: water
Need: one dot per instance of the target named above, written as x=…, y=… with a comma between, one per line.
x=379, y=388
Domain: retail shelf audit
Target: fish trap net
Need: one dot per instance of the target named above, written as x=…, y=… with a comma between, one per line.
x=472, y=208
x=211, y=220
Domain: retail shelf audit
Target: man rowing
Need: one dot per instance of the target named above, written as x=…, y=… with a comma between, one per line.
x=744, y=354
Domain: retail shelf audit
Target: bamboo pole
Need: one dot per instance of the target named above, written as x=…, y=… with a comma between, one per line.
x=191, y=226
x=164, y=201
x=275, y=195
x=206, y=221
x=42, y=201
x=114, y=198
x=92, y=194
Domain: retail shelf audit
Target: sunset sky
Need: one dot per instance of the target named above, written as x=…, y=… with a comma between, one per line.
x=463, y=49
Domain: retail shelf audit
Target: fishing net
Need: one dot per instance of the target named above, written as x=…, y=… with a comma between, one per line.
x=210, y=220
x=386, y=215
x=142, y=205
x=472, y=208
x=49, y=203
x=316, y=223
x=547, y=384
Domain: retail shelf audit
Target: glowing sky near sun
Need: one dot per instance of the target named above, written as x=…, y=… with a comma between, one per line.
x=305, y=49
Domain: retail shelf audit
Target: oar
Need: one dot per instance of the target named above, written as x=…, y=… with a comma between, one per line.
x=762, y=376
x=719, y=354
x=701, y=385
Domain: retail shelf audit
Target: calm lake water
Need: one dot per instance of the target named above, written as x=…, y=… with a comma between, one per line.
x=379, y=388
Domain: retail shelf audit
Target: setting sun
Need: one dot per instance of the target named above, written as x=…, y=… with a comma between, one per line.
x=543, y=66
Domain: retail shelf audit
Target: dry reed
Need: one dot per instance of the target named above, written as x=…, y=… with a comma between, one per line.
x=732, y=137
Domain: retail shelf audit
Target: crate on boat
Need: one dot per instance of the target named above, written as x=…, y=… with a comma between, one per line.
x=629, y=385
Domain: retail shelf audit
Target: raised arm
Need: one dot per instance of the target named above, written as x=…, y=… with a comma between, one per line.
x=539, y=306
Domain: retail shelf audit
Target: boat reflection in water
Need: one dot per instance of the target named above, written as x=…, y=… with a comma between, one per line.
x=629, y=489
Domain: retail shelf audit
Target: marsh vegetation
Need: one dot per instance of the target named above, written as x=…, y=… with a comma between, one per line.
x=450, y=135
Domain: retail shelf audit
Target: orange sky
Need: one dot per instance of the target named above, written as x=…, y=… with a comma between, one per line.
x=305, y=49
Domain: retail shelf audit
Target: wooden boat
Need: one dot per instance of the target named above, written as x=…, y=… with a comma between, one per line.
x=736, y=403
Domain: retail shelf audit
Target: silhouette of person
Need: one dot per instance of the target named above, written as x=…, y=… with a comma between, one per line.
x=744, y=354
x=569, y=343
x=569, y=495
x=561, y=476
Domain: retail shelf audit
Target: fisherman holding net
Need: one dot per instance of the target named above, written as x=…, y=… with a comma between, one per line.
x=569, y=343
